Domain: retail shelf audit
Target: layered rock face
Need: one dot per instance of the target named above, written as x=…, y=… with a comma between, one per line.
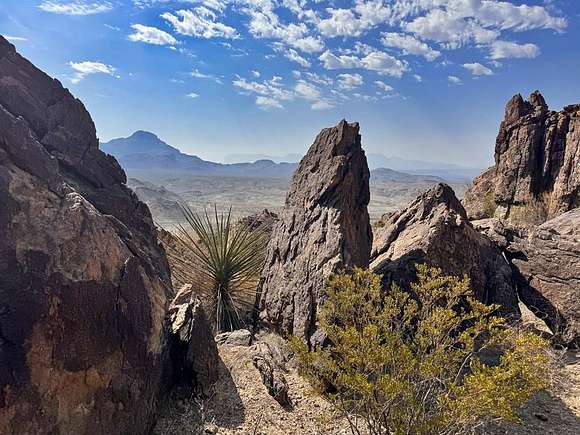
x=84, y=283
x=434, y=229
x=537, y=165
x=546, y=265
x=323, y=227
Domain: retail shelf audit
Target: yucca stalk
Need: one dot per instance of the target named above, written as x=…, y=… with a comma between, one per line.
x=222, y=260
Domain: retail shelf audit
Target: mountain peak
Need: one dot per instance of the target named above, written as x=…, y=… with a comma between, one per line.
x=142, y=134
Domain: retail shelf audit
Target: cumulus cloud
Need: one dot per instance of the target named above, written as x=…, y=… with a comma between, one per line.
x=265, y=23
x=478, y=69
x=377, y=61
x=267, y=103
x=201, y=23
x=197, y=74
x=506, y=49
x=454, y=80
x=341, y=22
x=409, y=45
x=291, y=54
x=192, y=95
x=151, y=35
x=322, y=105
x=349, y=82
x=84, y=69
x=384, y=86
x=76, y=7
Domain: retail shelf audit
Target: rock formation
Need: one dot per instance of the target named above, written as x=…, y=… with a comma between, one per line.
x=536, y=175
x=546, y=265
x=194, y=353
x=84, y=283
x=323, y=227
x=434, y=229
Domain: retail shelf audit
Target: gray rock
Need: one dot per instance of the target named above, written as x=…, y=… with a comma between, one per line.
x=240, y=337
x=548, y=266
x=272, y=375
x=323, y=227
x=434, y=230
x=194, y=354
x=536, y=176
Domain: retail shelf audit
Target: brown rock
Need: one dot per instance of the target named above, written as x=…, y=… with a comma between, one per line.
x=434, y=229
x=323, y=227
x=548, y=265
x=84, y=283
x=194, y=354
x=263, y=219
x=272, y=375
x=537, y=165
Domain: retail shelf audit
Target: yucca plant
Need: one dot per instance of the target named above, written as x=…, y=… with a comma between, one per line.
x=222, y=260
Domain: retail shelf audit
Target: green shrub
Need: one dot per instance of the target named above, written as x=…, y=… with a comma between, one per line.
x=437, y=362
x=222, y=260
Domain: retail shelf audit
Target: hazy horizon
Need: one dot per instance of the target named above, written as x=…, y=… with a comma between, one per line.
x=426, y=79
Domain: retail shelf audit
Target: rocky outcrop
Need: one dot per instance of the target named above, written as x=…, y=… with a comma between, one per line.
x=434, y=229
x=264, y=219
x=546, y=265
x=84, y=283
x=194, y=354
x=272, y=375
x=536, y=176
x=323, y=227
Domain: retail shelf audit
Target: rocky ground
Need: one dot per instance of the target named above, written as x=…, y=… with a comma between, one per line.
x=240, y=404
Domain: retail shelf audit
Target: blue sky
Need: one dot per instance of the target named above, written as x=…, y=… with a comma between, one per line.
x=427, y=79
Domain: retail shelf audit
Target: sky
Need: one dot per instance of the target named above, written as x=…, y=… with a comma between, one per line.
x=426, y=79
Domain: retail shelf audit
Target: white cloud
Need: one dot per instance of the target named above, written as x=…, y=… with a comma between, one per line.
x=265, y=23
x=76, y=7
x=291, y=54
x=201, y=23
x=519, y=18
x=267, y=103
x=455, y=80
x=151, y=35
x=409, y=45
x=192, y=95
x=506, y=49
x=256, y=73
x=478, y=69
x=322, y=105
x=196, y=74
x=349, y=82
x=378, y=61
x=307, y=90
x=417, y=77
x=83, y=69
x=384, y=86
x=342, y=22
x=271, y=90
x=15, y=38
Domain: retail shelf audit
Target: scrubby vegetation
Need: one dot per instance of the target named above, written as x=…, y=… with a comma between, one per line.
x=432, y=361
x=222, y=259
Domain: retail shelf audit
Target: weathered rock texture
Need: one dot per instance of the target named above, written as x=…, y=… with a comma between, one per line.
x=537, y=165
x=194, y=354
x=84, y=283
x=546, y=264
x=323, y=227
x=434, y=230
x=272, y=375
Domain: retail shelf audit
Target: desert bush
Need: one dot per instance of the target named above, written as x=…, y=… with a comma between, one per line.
x=222, y=259
x=430, y=361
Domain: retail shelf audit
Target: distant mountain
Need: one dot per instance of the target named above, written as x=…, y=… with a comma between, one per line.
x=387, y=174
x=447, y=171
x=236, y=158
x=144, y=155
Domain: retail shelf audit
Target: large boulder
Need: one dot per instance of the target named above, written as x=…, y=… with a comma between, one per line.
x=84, y=283
x=546, y=263
x=434, y=230
x=536, y=175
x=194, y=354
x=323, y=227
